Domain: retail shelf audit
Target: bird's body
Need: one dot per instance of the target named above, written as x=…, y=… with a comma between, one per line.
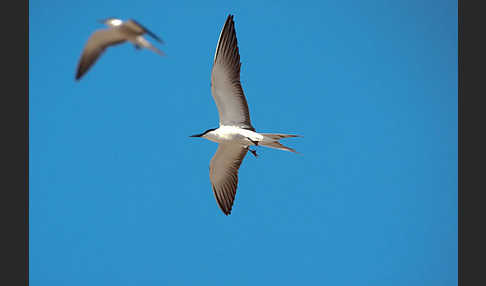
x=235, y=134
x=117, y=33
x=246, y=138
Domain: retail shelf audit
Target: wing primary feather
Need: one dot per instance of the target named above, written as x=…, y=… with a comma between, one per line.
x=225, y=80
x=223, y=173
x=150, y=33
x=96, y=45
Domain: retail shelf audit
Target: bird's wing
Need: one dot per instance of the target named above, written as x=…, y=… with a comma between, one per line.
x=96, y=45
x=139, y=29
x=223, y=173
x=225, y=80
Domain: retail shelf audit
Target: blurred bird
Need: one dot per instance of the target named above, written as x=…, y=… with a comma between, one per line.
x=117, y=33
x=235, y=134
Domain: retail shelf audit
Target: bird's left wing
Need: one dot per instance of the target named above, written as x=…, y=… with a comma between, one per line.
x=225, y=80
x=96, y=45
x=223, y=173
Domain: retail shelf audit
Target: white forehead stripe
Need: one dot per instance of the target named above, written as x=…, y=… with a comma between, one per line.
x=116, y=22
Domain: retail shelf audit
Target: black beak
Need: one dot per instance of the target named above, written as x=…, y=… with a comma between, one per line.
x=196, y=135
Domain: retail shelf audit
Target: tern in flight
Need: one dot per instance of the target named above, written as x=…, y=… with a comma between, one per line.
x=235, y=134
x=117, y=33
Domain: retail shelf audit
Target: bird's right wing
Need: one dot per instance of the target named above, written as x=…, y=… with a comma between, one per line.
x=139, y=29
x=225, y=80
x=96, y=45
x=223, y=173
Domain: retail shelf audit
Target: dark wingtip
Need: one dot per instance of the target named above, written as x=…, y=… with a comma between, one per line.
x=79, y=72
x=78, y=76
x=226, y=212
x=223, y=207
x=230, y=18
x=150, y=33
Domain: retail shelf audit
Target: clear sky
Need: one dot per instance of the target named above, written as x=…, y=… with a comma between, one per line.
x=120, y=195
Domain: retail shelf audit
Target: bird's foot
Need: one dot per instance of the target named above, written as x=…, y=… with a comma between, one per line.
x=253, y=152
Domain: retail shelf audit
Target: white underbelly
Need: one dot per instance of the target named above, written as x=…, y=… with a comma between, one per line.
x=235, y=135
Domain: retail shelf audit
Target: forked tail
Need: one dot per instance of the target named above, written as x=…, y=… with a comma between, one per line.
x=141, y=41
x=271, y=140
x=151, y=47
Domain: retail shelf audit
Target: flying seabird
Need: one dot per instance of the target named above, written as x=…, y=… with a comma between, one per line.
x=235, y=134
x=117, y=33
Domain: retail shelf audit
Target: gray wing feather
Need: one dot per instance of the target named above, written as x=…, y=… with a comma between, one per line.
x=225, y=80
x=223, y=173
x=139, y=29
x=96, y=45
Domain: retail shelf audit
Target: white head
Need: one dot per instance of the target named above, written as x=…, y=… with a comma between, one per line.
x=112, y=22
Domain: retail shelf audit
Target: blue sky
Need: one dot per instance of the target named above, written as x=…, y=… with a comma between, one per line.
x=120, y=195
